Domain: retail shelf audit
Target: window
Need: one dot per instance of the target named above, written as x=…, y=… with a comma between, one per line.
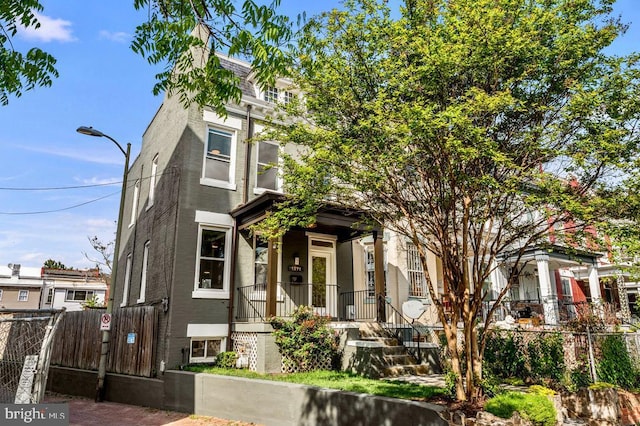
x=370, y=274
x=218, y=162
x=417, y=282
x=49, y=297
x=288, y=97
x=267, y=168
x=143, y=279
x=23, y=295
x=261, y=251
x=205, y=349
x=152, y=181
x=0, y=294
x=134, y=206
x=78, y=295
x=211, y=273
x=127, y=282
x=271, y=94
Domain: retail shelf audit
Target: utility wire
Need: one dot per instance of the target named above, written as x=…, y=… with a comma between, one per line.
x=2, y=188
x=62, y=209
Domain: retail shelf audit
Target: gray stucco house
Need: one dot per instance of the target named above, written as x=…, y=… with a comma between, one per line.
x=194, y=190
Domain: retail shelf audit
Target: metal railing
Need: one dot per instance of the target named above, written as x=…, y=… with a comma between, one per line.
x=404, y=330
x=357, y=306
x=251, y=301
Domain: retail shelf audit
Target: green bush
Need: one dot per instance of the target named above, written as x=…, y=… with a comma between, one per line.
x=536, y=408
x=540, y=390
x=546, y=357
x=226, y=360
x=504, y=355
x=579, y=377
x=615, y=365
x=601, y=386
x=306, y=339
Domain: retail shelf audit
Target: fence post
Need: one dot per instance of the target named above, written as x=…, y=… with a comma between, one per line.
x=592, y=363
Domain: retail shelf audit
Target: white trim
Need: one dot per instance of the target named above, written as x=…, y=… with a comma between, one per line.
x=152, y=182
x=218, y=184
x=134, y=205
x=215, y=219
x=330, y=253
x=145, y=266
x=26, y=298
x=207, y=330
x=321, y=237
x=209, y=293
x=127, y=281
x=230, y=122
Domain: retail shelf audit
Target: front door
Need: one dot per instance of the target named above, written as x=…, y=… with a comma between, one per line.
x=323, y=293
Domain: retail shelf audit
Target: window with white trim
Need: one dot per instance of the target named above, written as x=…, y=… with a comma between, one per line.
x=127, y=281
x=49, y=297
x=23, y=295
x=415, y=273
x=134, y=206
x=211, y=259
x=261, y=251
x=271, y=94
x=370, y=269
x=267, y=165
x=205, y=349
x=152, y=181
x=288, y=97
x=143, y=279
x=219, y=158
x=79, y=295
x=0, y=294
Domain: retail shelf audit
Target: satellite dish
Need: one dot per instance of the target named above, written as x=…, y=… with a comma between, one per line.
x=412, y=309
x=10, y=266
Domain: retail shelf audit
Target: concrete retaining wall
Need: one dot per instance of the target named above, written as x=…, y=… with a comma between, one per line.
x=249, y=400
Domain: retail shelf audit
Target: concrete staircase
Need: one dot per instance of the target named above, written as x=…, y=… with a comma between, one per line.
x=388, y=357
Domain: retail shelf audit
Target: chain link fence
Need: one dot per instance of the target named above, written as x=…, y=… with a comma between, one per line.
x=26, y=337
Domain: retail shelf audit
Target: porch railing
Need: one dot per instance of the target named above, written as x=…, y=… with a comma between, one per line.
x=251, y=301
x=357, y=306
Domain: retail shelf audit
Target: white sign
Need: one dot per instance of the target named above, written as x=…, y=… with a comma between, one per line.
x=105, y=322
x=25, y=386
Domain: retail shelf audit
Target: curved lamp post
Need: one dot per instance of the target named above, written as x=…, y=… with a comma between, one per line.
x=106, y=334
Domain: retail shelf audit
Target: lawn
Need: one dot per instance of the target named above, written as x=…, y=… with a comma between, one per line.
x=339, y=380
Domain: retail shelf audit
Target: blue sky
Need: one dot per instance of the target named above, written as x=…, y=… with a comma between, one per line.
x=102, y=84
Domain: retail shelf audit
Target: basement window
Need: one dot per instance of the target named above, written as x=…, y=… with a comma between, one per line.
x=205, y=349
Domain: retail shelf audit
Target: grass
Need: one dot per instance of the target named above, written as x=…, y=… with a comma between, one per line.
x=339, y=380
x=534, y=407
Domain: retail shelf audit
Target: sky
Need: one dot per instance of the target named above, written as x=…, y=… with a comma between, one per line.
x=102, y=84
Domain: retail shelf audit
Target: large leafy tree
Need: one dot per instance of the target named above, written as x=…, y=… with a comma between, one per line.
x=20, y=71
x=468, y=126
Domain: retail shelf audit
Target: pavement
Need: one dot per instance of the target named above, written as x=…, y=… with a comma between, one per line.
x=86, y=412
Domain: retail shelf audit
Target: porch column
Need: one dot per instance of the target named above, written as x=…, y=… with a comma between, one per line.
x=378, y=266
x=272, y=278
x=594, y=289
x=547, y=290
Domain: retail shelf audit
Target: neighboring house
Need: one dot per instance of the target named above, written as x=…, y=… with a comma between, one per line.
x=20, y=287
x=72, y=289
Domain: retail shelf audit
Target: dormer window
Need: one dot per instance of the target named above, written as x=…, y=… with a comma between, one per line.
x=271, y=94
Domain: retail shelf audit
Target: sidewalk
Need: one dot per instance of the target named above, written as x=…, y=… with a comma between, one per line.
x=86, y=412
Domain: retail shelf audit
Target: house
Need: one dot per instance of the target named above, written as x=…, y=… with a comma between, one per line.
x=72, y=289
x=20, y=287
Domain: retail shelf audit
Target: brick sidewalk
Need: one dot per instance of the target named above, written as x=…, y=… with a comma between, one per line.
x=86, y=412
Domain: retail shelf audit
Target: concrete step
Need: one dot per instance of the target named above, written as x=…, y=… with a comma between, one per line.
x=405, y=370
x=399, y=359
x=387, y=341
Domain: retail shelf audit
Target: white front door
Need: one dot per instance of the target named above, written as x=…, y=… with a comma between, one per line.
x=323, y=294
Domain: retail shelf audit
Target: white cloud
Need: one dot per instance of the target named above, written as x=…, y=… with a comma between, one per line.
x=50, y=29
x=118, y=36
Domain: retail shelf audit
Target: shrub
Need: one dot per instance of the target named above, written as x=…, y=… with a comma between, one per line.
x=546, y=357
x=540, y=390
x=579, y=377
x=536, y=408
x=504, y=355
x=306, y=339
x=226, y=360
x=615, y=365
x=601, y=386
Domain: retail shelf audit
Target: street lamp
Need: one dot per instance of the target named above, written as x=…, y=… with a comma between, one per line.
x=106, y=334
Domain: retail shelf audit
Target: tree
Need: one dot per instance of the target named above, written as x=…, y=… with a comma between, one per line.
x=470, y=127
x=19, y=71
x=54, y=264
x=105, y=250
x=243, y=29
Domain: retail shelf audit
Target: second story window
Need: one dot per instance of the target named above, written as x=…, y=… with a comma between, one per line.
x=23, y=295
x=152, y=181
x=211, y=270
x=267, y=167
x=219, y=161
x=134, y=205
x=417, y=281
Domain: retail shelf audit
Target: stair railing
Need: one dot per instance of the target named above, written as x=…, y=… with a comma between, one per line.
x=403, y=330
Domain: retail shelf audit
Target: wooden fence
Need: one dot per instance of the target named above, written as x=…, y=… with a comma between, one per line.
x=133, y=333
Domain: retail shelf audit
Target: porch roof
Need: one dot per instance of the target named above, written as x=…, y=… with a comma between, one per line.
x=331, y=219
x=563, y=256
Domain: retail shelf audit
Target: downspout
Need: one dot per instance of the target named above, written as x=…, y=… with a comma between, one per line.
x=234, y=232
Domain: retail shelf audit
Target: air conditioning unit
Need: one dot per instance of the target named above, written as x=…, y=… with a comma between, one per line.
x=351, y=312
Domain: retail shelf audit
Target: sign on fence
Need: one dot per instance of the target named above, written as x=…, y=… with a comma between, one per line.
x=105, y=322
